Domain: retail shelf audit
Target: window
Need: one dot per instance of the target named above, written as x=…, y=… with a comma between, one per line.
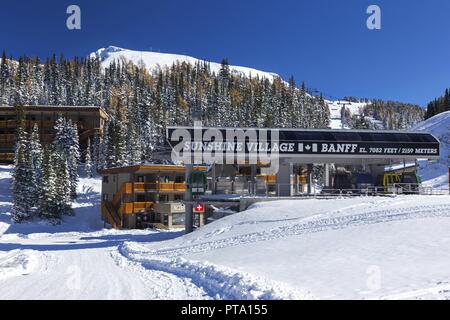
x=178, y=197
x=164, y=179
x=140, y=198
x=105, y=179
x=140, y=179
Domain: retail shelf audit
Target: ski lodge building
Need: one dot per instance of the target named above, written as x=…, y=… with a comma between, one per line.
x=144, y=195
x=90, y=121
x=352, y=161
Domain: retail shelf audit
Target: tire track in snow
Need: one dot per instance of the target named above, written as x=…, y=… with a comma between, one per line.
x=224, y=283
x=436, y=292
x=163, y=285
x=218, y=282
x=314, y=226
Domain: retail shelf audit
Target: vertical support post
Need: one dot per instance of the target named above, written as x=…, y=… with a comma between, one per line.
x=327, y=183
x=284, y=187
x=213, y=175
x=253, y=180
x=310, y=179
x=188, y=219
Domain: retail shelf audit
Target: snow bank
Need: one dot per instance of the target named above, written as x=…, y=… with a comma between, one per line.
x=359, y=248
x=218, y=282
x=86, y=216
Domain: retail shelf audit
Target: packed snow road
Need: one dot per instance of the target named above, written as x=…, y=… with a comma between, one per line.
x=68, y=267
x=78, y=259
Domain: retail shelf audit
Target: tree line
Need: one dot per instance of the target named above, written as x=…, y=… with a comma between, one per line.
x=384, y=115
x=45, y=177
x=439, y=105
x=142, y=103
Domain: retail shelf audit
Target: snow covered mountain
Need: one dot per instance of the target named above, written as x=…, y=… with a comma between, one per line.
x=436, y=174
x=155, y=60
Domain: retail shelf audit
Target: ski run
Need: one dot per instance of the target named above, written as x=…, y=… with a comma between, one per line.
x=358, y=248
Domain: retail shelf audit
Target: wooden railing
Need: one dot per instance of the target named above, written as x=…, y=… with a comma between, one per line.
x=8, y=123
x=7, y=137
x=126, y=188
x=179, y=186
x=143, y=187
x=159, y=186
x=6, y=157
x=134, y=207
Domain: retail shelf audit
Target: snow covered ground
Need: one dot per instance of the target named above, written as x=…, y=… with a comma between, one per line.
x=358, y=248
x=78, y=259
x=361, y=248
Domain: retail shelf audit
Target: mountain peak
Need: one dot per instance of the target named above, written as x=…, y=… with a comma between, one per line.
x=103, y=53
x=156, y=60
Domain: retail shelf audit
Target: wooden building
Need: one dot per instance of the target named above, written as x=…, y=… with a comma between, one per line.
x=144, y=196
x=90, y=121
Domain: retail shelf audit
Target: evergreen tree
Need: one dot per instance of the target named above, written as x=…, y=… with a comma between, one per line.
x=36, y=157
x=63, y=185
x=48, y=207
x=88, y=168
x=4, y=80
x=22, y=174
x=66, y=142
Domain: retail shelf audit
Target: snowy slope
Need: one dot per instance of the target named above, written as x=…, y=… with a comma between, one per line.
x=360, y=248
x=436, y=174
x=336, y=109
x=155, y=60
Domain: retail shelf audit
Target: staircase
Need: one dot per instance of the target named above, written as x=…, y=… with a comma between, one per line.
x=110, y=215
x=113, y=211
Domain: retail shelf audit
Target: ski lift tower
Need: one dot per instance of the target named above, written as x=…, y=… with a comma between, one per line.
x=342, y=114
x=189, y=218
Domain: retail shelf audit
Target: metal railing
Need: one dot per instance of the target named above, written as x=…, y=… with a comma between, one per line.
x=298, y=190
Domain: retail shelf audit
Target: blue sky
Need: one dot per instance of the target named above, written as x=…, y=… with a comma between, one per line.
x=324, y=42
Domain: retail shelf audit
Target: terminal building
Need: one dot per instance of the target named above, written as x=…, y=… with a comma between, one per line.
x=344, y=155
x=350, y=161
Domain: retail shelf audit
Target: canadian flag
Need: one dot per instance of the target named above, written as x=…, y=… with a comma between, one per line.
x=199, y=208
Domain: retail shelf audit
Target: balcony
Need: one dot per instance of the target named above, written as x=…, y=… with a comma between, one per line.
x=141, y=187
x=134, y=207
x=6, y=157
x=28, y=123
x=9, y=137
x=159, y=187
